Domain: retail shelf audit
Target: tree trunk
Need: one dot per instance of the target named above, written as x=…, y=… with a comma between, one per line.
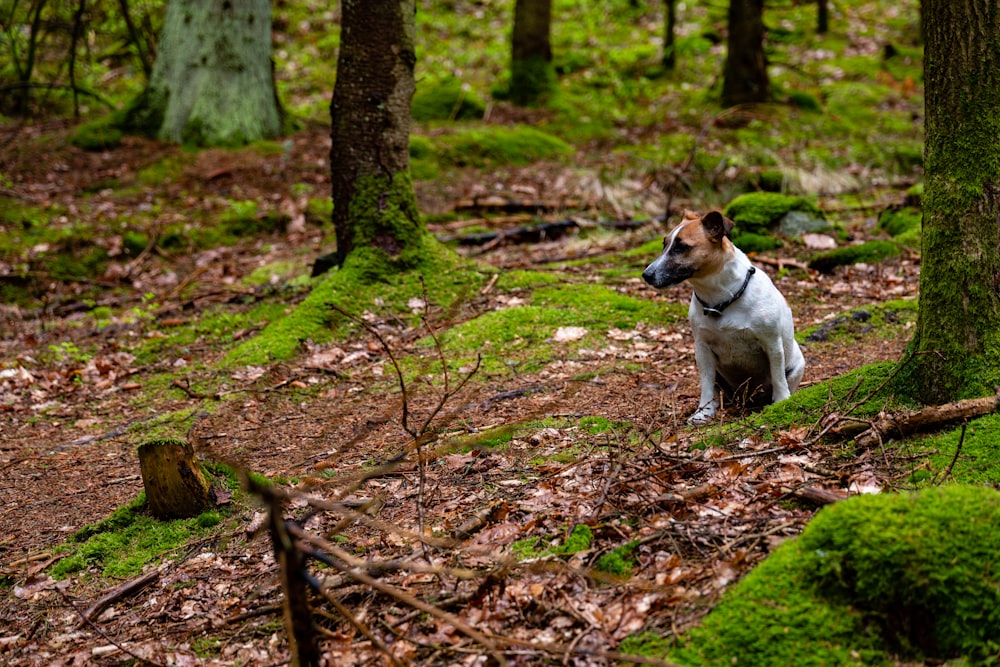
x=213, y=79
x=745, y=74
x=957, y=338
x=175, y=486
x=669, y=59
x=822, y=17
x=374, y=207
x=532, y=76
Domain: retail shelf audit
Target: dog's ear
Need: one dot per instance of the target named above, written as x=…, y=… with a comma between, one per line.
x=716, y=226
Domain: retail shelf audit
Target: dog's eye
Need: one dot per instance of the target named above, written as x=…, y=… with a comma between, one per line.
x=679, y=247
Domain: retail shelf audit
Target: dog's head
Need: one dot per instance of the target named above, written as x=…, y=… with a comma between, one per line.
x=696, y=247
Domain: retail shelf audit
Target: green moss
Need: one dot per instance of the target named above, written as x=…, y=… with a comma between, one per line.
x=528, y=549
x=868, y=252
x=579, y=540
x=243, y=219
x=978, y=460
x=537, y=547
x=494, y=145
x=520, y=279
x=803, y=100
x=356, y=287
x=647, y=643
x=424, y=164
x=760, y=212
x=774, y=617
x=98, y=135
x=601, y=307
x=598, y=425
x=129, y=539
x=896, y=221
x=865, y=389
x=923, y=565
x=750, y=242
x=618, y=562
x=912, y=575
x=449, y=99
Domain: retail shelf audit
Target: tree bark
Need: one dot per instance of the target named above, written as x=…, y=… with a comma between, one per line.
x=532, y=76
x=745, y=74
x=669, y=58
x=374, y=207
x=822, y=17
x=212, y=81
x=957, y=338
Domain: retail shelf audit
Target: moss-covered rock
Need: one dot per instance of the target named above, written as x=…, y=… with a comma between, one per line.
x=446, y=100
x=868, y=252
x=912, y=575
x=750, y=242
x=98, y=135
x=761, y=212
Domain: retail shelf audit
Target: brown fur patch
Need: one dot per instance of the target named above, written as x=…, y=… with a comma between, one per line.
x=705, y=254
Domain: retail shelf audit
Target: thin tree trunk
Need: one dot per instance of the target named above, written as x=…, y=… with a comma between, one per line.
x=669, y=59
x=745, y=75
x=29, y=61
x=144, y=57
x=77, y=29
x=374, y=207
x=532, y=77
x=822, y=17
x=958, y=327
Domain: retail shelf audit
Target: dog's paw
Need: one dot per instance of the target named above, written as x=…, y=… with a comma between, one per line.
x=701, y=416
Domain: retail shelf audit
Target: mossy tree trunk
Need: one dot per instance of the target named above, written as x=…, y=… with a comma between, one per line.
x=958, y=326
x=744, y=77
x=213, y=79
x=532, y=75
x=374, y=207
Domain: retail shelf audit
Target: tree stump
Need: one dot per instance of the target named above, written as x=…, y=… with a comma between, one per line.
x=175, y=485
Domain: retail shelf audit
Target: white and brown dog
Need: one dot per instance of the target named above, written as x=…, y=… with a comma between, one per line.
x=744, y=338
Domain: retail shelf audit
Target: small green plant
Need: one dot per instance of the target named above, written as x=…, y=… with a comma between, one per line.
x=68, y=352
x=618, y=562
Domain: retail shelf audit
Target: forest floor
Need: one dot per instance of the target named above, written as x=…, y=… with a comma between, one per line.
x=595, y=437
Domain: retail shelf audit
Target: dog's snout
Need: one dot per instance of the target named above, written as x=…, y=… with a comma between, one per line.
x=649, y=275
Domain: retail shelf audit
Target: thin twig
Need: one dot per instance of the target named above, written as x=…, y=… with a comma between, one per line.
x=954, y=459
x=98, y=630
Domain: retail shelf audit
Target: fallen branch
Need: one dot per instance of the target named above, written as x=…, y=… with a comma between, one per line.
x=927, y=419
x=780, y=262
x=128, y=589
x=819, y=495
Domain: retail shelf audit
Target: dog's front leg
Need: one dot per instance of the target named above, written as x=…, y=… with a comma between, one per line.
x=708, y=404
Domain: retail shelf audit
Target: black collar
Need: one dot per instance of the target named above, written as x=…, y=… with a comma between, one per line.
x=716, y=310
